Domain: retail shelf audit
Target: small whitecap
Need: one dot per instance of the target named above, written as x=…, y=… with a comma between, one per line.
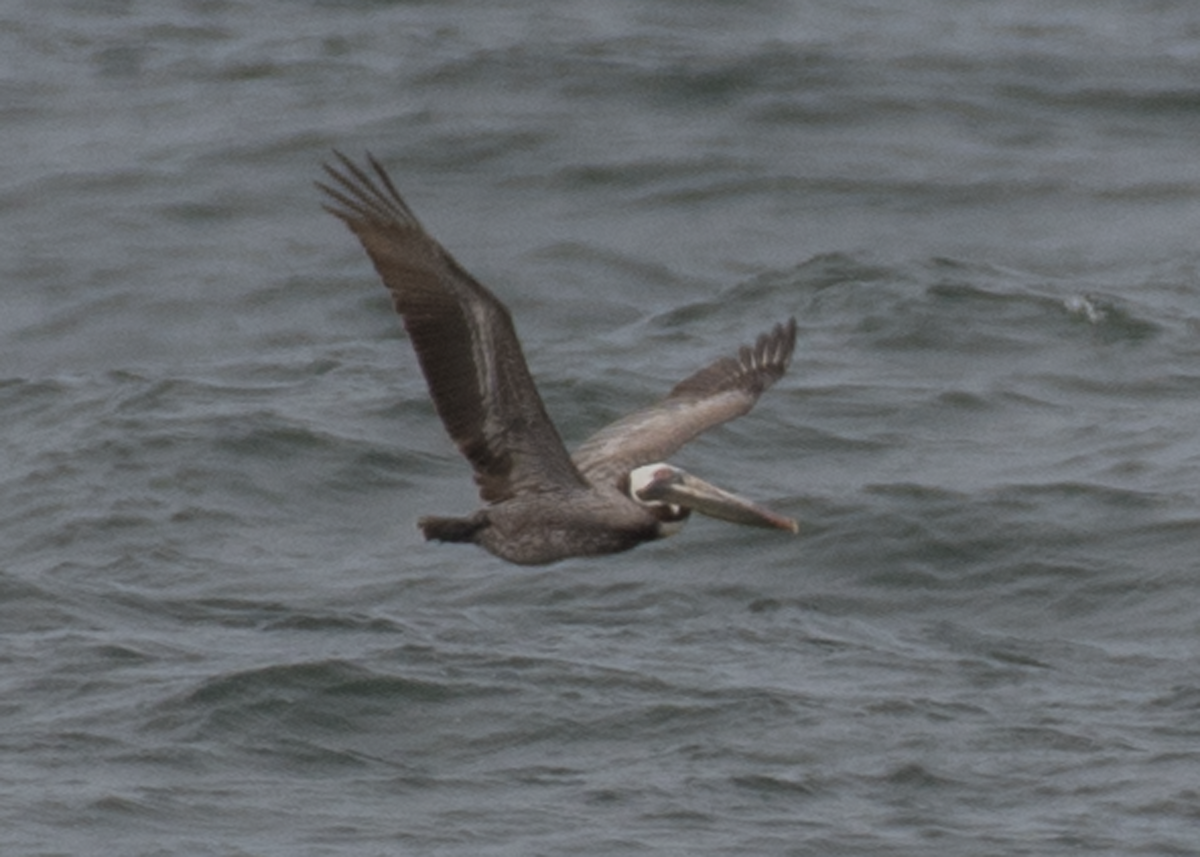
x=1085, y=306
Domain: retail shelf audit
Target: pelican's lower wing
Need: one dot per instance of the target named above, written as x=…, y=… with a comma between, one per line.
x=721, y=391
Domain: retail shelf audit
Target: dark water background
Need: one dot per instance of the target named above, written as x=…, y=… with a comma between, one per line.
x=220, y=633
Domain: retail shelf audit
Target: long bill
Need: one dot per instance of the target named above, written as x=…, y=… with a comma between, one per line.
x=691, y=492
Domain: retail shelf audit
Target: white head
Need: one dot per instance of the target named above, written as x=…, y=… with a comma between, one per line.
x=674, y=493
x=646, y=484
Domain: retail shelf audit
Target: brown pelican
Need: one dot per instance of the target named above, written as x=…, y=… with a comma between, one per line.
x=542, y=503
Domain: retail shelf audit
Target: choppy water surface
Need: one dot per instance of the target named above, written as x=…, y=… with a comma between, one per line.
x=221, y=634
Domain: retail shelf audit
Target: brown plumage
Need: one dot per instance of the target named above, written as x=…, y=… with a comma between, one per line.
x=543, y=505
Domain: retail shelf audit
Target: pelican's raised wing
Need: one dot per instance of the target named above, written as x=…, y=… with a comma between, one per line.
x=717, y=393
x=464, y=339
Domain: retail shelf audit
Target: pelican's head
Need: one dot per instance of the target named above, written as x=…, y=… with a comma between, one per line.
x=674, y=493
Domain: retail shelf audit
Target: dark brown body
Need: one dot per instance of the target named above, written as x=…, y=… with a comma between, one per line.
x=542, y=528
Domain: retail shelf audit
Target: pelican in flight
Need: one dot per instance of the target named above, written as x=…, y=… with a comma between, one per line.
x=542, y=503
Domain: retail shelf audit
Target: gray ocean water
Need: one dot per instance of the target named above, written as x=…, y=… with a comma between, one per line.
x=220, y=632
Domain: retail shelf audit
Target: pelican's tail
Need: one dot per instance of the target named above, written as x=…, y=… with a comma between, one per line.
x=452, y=529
